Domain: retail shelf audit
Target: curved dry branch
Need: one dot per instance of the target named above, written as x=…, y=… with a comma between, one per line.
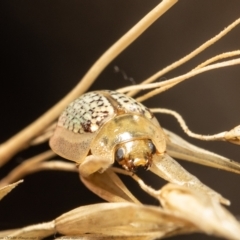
x=217, y=58
x=28, y=166
x=187, y=57
x=163, y=86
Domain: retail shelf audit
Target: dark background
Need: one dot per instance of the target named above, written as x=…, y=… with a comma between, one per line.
x=47, y=46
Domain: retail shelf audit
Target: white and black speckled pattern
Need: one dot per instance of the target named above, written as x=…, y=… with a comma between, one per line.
x=129, y=104
x=86, y=113
x=90, y=111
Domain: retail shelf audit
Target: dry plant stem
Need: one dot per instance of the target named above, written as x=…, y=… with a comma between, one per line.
x=187, y=57
x=58, y=165
x=211, y=60
x=219, y=136
x=146, y=236
x=28, y=166
x=167, y=84
x=163, y=86
x=217, y=58
x=152, y=192
x=181, y=78
x=44, y=136
x=41, y=139
x=6, y=189
x=37, y=231
x=24, y=170
x=22, y=139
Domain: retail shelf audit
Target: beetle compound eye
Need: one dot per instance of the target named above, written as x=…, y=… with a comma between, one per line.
x=119, y=154
x=152, y=147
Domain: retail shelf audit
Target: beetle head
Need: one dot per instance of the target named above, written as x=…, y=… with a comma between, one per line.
x=135, y=153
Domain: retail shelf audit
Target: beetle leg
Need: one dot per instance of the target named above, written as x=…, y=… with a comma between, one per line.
x=92, y=164
x=167, y=168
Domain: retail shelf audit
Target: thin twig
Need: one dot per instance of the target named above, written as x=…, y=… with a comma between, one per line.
x=187, y=57
x=43, y=137
x=163, y=86
x=174, y=81
x=152, y=192
x=57, y=165
x=218, y=136
x=218, y=57
x=28, y=166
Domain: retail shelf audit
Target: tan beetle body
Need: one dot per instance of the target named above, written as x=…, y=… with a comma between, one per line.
x=103, y=126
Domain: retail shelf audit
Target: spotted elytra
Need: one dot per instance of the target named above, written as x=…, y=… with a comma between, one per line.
x=103, y=126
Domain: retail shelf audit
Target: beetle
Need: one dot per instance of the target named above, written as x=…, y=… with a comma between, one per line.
x=101, y=127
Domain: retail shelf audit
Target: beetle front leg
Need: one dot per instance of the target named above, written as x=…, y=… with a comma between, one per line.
x=92, y=164
x=167, y=168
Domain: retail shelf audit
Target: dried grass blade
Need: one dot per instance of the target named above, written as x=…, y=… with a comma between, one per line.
x=115, y=219
x=148, y=236
x=200, y=209
x=109, y=186
x=6, y=189
x=37, y=231
x=5, y=233
x=181, y=149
